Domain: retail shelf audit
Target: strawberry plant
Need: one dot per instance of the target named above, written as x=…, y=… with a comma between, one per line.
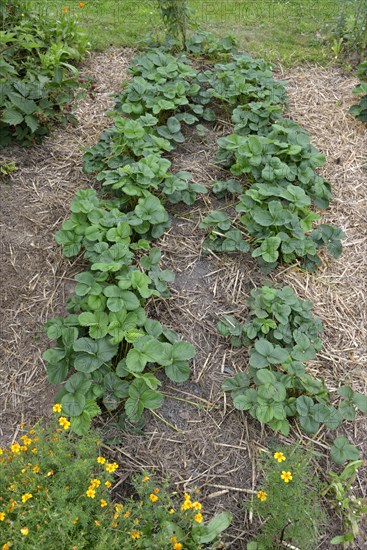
x=360, y=109
x=283, y=334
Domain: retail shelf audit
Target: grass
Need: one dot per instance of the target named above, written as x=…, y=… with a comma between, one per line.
x=287, y=31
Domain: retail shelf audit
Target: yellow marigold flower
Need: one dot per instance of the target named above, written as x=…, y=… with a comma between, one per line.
x=34, y=451
x=15, y=448
x=103, y=503
x=279, y=456
x=12, y=487
x=186, y=505
x=198, y=518
x=262, y=495
x=171, y=511
x=2, y=516
x=197, y=505
x=108, y=484
x=12, y=505
x=24, y=531
x=156, y=491
x=98, y=523
x=21, y=425
x=1, y=451
x=286, y=476
x=50, y=473
x=177, y=546
x=23, y=447
x=6, y=546
x=26, y=497
x=32, y=432
x=101, y=460
x=75, y=520
x=111, y=467
x=136, y=521
x=95, y=483
x=145, y=479
x=173, y=540
x=90, y=493
x=119, y=507
x=64, y=422
x=135, y=534
x=187, y=496
x=127, y=514
x=26, y=440
x=114, y=524
x=153, y=497
x=57, y=408
x=36, y=469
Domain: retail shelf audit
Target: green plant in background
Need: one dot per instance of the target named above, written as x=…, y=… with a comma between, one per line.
x=287, y=502
x=283, y=335
x=38, y=76
x=350, y=31
x=360, y=109
x=339, y=490
x=56, y=490
x=7, y=168
x=175, y=15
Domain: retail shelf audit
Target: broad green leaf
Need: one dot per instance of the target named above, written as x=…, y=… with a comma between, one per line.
x=178, y=372
x=342, y=450
x=183, y=351
x=217, y=525
x=73, y=403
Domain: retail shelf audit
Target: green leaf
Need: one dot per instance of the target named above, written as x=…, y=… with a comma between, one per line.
x=73, y=403
x=81, y=424
x=141, y=397
x=183, y=351
x=360, y=401
x=237, y=383
x=342, y=450
x=56, y=373
x=216, y=526
x=12, y=117
x=178, y=372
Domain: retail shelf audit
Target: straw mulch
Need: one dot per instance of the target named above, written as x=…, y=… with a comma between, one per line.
x=195, y=437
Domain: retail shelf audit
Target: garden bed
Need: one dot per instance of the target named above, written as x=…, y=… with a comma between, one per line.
x=212, y=447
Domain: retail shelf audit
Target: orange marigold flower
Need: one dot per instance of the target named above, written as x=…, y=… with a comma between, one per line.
x=24, y=531
x=153, y=497
x=57, y=408
x=262, y=495
x=26, y=497
x=90, y=493
x=103, y=503
x=279, y=456
x=101, y=460
x=177, y=546
x=135, y=534
x=2, y=516
x=23, y=448
x=286, y=476
x=65, y=10
x=114, y=524
x=81, y=4
x=198, y=518
x=156, y=490
x=98, y=523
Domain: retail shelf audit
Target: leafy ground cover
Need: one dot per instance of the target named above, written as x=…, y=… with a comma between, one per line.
x=292, y=31
x=192, y=302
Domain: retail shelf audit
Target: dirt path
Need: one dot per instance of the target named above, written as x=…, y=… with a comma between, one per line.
x=212, y=446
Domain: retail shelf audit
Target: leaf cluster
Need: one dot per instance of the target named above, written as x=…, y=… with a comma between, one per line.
x=38, y=76
x=283, y=335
